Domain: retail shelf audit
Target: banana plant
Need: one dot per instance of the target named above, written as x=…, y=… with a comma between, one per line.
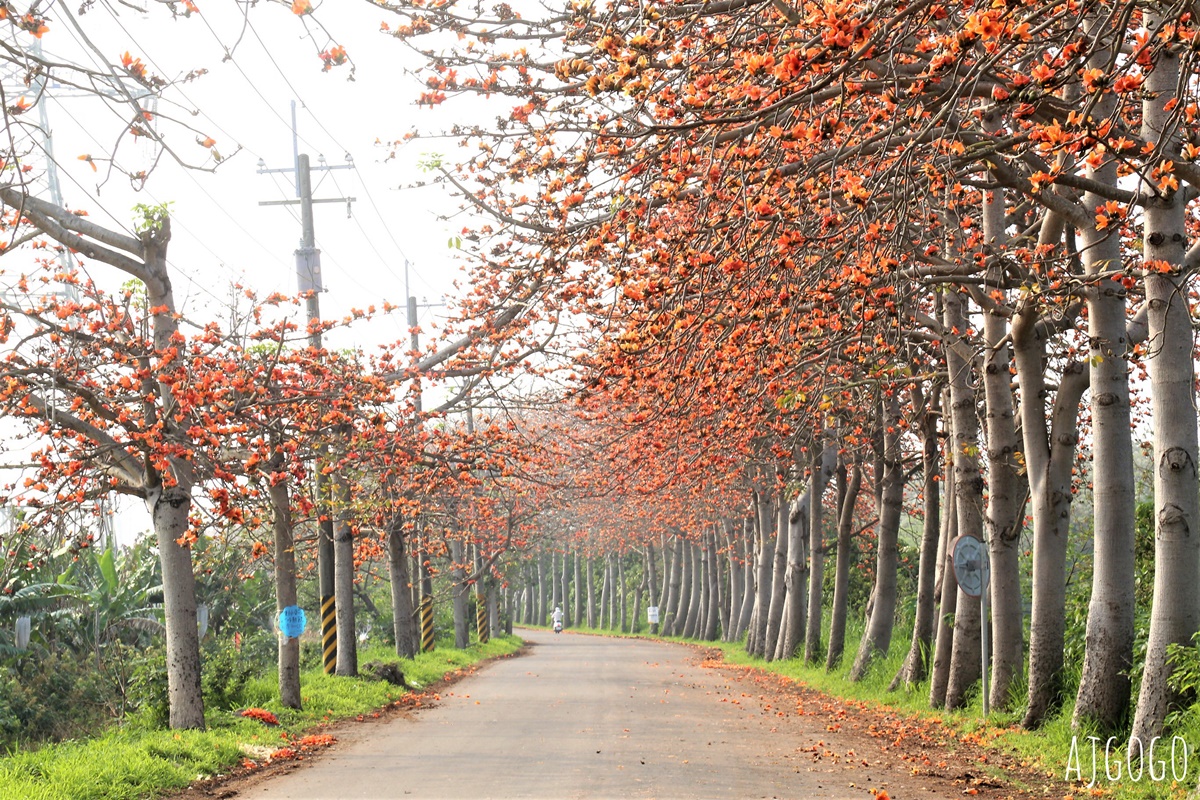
x=110, y=596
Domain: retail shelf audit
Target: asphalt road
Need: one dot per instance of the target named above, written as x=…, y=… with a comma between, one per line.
x=583, y=717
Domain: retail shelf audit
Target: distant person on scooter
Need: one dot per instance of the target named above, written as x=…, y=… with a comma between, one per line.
x=557, y=618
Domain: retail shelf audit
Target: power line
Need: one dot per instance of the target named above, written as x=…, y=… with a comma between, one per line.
x=366, y=190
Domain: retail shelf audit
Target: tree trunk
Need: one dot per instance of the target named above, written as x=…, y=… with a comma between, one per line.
x=778, y=578
x=458, y=578
x=635, y=614
x=604, y=590
x=544, y=581
x=1006, y=491
x=651, y=573
x=694, y=606
x=403, y=618
x=756, y=643
x=1175, y=612
x=719, y=607
x=732, y=608
x=591, y=592
x=965, y=658
x=285, y=585
x=530, y=595
x=566, y=588
x=824, y=462
x=579, y=618
x=939, y=678
x=620, y=595
x=878, y=636
x=666, y=576
x=343, y=582
x=1104, y=688
x=1049, y=457
x=683, y=601
x=917, y=662
x=555, y=583
x=748, y=586
x=795, y=616
x=169, y=508
x=841, y=581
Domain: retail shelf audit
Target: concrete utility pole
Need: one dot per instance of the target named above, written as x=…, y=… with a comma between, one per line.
x=308, y=278
x=423, y=600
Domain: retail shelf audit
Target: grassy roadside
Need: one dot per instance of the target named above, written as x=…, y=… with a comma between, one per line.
x=131, y=762
x=1048, y=750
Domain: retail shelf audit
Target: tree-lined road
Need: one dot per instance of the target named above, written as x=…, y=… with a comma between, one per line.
x=588, y=717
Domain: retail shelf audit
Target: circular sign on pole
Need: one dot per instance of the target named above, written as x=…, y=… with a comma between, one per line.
x=971, y=566
x=292, y=621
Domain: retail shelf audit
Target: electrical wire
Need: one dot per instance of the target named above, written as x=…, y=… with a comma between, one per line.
x=320, y=124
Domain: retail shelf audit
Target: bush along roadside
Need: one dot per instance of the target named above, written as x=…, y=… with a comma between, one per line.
x=140, y=759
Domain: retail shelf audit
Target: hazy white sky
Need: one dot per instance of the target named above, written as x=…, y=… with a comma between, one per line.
x=220, y=232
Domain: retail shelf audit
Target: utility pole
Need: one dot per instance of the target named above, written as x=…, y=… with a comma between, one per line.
x=424, y=601
x=308, y=277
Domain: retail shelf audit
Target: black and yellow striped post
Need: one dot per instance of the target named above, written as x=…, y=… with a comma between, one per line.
x=426, y=624
x=481, y=617
x=328, y=635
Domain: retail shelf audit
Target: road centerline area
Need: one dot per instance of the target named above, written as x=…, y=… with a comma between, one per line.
x=586, y=717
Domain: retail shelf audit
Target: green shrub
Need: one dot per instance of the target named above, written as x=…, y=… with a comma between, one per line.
x=51, y=697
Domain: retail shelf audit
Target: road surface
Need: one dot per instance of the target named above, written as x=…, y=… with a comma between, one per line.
x=589, y=717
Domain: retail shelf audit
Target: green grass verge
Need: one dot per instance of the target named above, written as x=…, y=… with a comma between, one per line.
x=131, y=762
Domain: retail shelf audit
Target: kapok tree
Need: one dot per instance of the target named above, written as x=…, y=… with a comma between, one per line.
x=110, y=385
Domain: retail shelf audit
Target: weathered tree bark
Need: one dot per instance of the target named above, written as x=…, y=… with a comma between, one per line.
x=696, y=590
x=590, y=576
x=848, y=497
x=579, y=618
x=767, y=512
x=965, y=666
x=621, y=597
x=748, y=586
x=285, y=581
x=605, y=588
x=555, y=584
x=795, y=578
x=665, y=547
x=638, y=591
x=343, y=580
x=566, y=588
x=651, y=573
x=779, y=654
x=823, y=464
x=531, y=594
x=1104, y=689
x=878, y=636
x=1175, y=613
x=683, y=599
x=939, y=677
x=713, y=621
x=458, y=577
x=916, y=663
x=545, y=579
x=169, y=507
x=404, y=623
x=1007, y=493
x=1049, y=457
x=732, y=607
x=778, y=579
